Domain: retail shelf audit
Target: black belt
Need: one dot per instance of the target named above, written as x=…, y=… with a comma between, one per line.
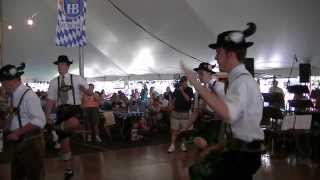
x=33, y=133
x=27, y=136
x=240, y=145
x=207, y=116
x=66, y=111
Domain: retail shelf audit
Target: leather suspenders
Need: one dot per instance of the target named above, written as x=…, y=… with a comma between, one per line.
x=17, y=109
x=72, y=88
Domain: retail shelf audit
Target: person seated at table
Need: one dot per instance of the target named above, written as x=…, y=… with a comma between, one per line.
x=136, y=132
x=115, y=102
x=124, y=102
x=155, y=113
x=142, y=125
x=133, y=105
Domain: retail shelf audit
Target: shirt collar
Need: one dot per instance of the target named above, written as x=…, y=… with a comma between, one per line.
x=235, y=72
x=65, y=75
x=18, y=90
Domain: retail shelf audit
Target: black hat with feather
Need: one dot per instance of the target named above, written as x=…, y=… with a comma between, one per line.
x=9, y=72
x=235, y=39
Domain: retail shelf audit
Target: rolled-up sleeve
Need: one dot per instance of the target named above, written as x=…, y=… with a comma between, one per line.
x=83, y=82
x=236, y=102
x=52, y=91
x=34, y=110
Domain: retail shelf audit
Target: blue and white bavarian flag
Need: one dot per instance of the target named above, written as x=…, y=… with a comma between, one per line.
x=71, y=23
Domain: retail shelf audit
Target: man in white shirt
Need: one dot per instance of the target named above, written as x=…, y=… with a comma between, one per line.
x=24, y=126
x=241, y=108
x=65, y=93
x=208, y=128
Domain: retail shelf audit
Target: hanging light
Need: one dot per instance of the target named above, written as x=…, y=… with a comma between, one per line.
x=30, y=21
x=10, y=27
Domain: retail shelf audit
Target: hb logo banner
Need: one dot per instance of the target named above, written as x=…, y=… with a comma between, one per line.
x=70, y=31
x=72, y=9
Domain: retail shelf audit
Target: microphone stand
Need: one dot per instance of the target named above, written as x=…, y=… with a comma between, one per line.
x=295, y=60
x=288, y=83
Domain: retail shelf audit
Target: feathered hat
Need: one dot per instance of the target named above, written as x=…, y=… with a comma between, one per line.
x=235, y=39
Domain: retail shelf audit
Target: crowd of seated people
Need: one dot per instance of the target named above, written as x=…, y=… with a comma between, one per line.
x=154, y=106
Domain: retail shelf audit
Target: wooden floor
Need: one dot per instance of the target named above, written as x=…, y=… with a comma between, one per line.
x=154, y=163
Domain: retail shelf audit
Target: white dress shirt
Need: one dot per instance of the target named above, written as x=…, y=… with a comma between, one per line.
x=216, y=87
x=245, y=105
x=30, y=109
x=77, y=80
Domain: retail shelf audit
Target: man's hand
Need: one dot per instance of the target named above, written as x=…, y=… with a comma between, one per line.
x=181, y=88
x=189, y=73
x=49, y=121
x=204, y=153
x=14, y=136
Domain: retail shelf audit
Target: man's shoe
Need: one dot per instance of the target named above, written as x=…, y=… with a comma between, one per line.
x=98, y=139
x=68, y=174
x=89, y=139
x=183, y=147
x=171, y=149
x=57, y=145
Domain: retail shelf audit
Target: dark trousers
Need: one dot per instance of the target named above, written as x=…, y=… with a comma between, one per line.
x=28, y=160
x=209, y=131
x=227, y=165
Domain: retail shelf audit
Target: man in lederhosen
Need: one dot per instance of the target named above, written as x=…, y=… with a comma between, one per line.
x=24, y=126
x=241, y=108
x=65, y=92
x=209, y=135
x=208, y=129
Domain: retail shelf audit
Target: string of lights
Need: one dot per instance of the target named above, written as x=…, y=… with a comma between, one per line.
x=152, y=34
x=30, y=21
x=5, y=23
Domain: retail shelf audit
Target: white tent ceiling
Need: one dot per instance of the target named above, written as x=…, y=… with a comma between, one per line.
x=118, y=47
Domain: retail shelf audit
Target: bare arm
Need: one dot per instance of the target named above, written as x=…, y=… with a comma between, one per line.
x=85, y=91
x=48, y=110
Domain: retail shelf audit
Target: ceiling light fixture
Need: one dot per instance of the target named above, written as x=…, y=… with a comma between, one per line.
x=10, y=27
x=31, y=20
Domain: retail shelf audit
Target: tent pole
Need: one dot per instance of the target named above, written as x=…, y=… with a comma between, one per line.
x=1, y=44
x=81, y=61
x=2, y=36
